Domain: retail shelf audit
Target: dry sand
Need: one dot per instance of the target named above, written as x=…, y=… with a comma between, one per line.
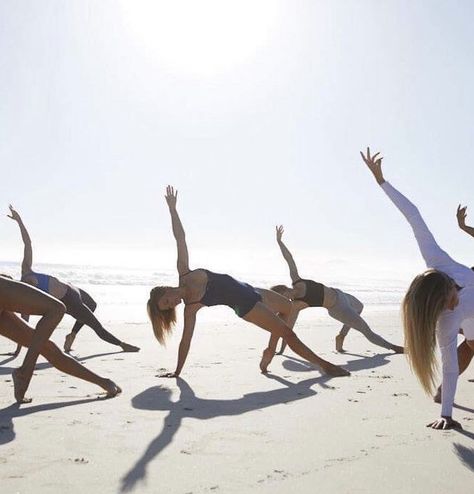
x=225, y=428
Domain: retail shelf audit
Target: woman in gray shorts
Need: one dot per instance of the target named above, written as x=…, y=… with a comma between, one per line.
x=340, y=305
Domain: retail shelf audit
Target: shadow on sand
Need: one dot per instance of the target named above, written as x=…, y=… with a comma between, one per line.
x=7, y=430
x=192, y=407
x=465, y=454
x=47, y=365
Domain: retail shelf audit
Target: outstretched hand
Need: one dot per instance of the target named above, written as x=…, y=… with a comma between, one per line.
x=13, y=214
x=171, y=196
x=461, y=216
x=375, y=165
x=444, y=424
x=279, y=232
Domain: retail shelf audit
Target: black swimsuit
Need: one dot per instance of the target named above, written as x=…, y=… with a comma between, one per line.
x=222, y=289
x=314, y=294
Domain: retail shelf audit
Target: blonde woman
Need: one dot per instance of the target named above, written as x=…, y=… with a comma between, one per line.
x=341, y=306
x=465, y=352
x=22, y=298
x=435, y=306
x=200, y=288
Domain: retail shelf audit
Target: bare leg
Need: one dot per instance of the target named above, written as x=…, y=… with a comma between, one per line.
x=465, y=354
x=283, y=308
x=89, y=302
x=81, y=312
x=341, y=337
x=265, y=318
x=22, y=298
x=15, y=329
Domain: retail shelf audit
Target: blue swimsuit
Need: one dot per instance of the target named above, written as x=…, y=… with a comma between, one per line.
x=42, y=279
x=222, y=289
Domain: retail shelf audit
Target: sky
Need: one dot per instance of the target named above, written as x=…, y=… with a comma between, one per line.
x=254, y=110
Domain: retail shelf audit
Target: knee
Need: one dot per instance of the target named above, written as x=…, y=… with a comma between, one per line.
x=93, y=305
x=57, y=309
x=50, y=351
x=289, y=336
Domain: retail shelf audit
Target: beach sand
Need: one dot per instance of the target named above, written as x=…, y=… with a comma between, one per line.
x=226, y=428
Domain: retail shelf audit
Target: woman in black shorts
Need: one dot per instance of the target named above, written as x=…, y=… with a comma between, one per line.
x=200, y=288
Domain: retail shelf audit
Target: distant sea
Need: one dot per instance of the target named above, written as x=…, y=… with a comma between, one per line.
x=121, y=293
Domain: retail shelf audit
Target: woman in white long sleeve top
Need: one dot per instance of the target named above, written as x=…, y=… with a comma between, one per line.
x=435, y=306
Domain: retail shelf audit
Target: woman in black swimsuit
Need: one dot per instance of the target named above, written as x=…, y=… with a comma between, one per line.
x=341, y=306
x=79, y=304
x=200, y=288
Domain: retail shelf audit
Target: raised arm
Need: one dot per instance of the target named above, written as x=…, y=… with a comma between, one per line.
x=178, y=231
x=27, y=263
x=434, y=256
x=461, y=216
x=287, y=254
x=189, y=323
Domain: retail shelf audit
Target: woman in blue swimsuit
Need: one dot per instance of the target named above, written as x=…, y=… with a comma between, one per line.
x=200, y=288
x=22, y=298
x=79, y=304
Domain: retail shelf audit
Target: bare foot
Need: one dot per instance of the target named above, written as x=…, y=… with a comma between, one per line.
x=69, y=341
x=437, y=396
x=266, y=359
x=129, y=348
x=335, y=370
x=20, y=385
x=111, y=388
x=398, y=349
x=339, y=343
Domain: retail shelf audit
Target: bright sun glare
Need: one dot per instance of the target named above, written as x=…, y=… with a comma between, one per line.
x=201, y=37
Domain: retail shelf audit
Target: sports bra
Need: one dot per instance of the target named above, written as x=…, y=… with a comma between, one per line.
x=42, y=279
x=314, y=294
x=222, y=289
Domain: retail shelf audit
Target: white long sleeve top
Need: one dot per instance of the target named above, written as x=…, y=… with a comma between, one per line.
x=450, y=321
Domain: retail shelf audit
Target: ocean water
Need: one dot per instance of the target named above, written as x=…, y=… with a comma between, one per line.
x=122, y=292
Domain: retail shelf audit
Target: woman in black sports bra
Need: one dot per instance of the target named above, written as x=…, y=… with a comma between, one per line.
x=200, y=288
x=340, y=305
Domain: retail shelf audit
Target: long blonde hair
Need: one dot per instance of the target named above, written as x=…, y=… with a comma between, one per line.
x=424, y=301
x=161, y=320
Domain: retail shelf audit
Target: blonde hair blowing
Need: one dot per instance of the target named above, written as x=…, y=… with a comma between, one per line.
x=424, y=301
x=161, y=320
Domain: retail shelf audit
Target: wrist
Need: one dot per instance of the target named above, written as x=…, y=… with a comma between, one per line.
x=447, y=417
x=380, y=180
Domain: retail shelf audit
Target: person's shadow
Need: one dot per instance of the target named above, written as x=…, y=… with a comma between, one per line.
x=192, y=407
x=7, y=414
x=465, y=454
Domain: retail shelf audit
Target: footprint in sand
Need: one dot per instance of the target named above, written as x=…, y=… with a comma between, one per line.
x=79, y=461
